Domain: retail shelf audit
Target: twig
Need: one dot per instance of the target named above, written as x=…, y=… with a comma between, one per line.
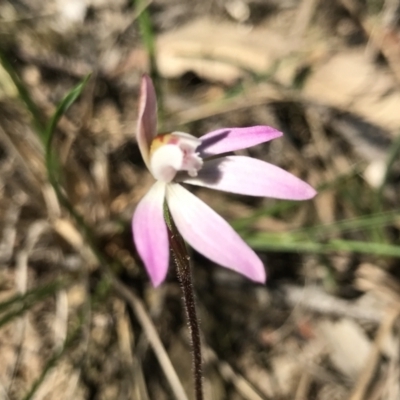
x=21, y=281
x=9, y=233
x=384, y=38
x=304, y=15
x=151, y=334
x=242, y=385
x=304, y=386
x=366, y=375
x=125, y=340
x=60, y=324
x=88, y=253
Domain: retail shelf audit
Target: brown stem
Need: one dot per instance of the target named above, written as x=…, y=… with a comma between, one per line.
x=182, y=261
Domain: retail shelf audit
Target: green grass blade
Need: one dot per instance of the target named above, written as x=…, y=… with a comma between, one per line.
x=352, y=225
x=38, y=119
x=51, y=163
x=68, y=100
x=52, y=363
x=393, y=156
x=293, y=243
x=149, y=41
x=17, y=305
x=147, y=32
x=377, y=249
x=36, y=293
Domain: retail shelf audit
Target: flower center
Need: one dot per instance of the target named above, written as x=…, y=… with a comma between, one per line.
x=173, y=152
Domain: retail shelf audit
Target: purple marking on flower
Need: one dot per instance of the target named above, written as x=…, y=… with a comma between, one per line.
x=180, y=157
x=252, y=177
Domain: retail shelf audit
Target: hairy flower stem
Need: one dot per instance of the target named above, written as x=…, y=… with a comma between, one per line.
x=182, y=261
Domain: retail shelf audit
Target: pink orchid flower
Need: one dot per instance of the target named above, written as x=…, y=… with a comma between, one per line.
x=178, y=157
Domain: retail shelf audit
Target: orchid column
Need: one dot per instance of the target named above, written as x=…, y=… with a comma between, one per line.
x=178, y=157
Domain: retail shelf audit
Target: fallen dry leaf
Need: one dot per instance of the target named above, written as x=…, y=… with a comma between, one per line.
x=226, y=52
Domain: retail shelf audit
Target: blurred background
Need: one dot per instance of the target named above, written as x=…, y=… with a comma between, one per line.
x=79, y=318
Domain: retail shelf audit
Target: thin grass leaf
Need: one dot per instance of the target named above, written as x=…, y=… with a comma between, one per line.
x=380, y=220
x=149, y=41
x=20, y=304
x=147, y=32
x=51, y=163
x=33, y=295
x=52, y=363
x=68, y=100
x=146, y=29
x=295, y=244
x=377, y=249
x=15, y=313
x=394, y=155
x=38, y=119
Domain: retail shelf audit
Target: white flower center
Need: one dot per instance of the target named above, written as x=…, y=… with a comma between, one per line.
x=173, y=152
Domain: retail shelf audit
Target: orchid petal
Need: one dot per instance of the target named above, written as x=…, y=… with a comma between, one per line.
x=147, y=117
x=252, y=177
x=150, y=233
x=231, y=139
x=211, y=235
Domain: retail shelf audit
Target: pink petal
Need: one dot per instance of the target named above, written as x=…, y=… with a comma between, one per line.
x=211, y=235
x=147, y=117
x=231, y=139
x=252, y=177
x=150, y=233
